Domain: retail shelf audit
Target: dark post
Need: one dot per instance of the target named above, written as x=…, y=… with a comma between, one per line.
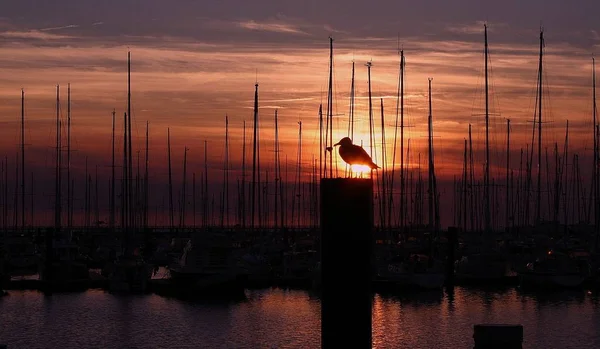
x=492, y=336
x=346, y=245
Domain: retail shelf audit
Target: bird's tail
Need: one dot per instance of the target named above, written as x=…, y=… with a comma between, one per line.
x=373, y=166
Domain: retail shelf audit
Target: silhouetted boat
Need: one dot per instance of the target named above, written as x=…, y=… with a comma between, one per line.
x=417, y=271
x=209, y=264
x=69, y=271
x=481, y=268
x=129, y=274
x=299, y=268
x=21, y=255
x=555, y=270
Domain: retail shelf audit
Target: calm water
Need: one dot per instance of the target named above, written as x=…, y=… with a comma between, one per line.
x=277, y=318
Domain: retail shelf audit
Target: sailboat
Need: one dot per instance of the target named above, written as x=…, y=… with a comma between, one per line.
x=20, y=253
x=63, y=267
x=488, y=265
x=129, y=273
x=417, y=270
x=209, y=264
x=553, y=269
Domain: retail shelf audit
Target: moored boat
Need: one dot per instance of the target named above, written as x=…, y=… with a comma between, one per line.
x=556, y=270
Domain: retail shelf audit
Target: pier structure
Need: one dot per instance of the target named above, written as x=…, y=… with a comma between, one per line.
x=346, y=250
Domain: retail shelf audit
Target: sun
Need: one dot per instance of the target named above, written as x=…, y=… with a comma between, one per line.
x=360, y=170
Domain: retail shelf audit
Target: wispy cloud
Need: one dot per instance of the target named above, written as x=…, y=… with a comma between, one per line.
x=331, y=29
x=471, y=28
x=97, y=23
x=275, y=27
x=32, y=35
x=60, y=28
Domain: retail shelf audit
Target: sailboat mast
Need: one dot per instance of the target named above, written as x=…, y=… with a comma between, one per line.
x=243, y=189
x=146, y=178
x=402, y=180
x=596, y=171
x=5, y=201
x=32, y=213
x=183, y=194
x=464, y=190
x=391, y=193
x=352, y=97
x=471, y=187
x=112, y=176
x=130, y=152
x=595, y=162
x=330, y=107
x=351, y=116
x=254, y=154
x=486, y=184
x=194, y=200
x=226, y=179
x=566, y=172
x=508, y=196
x=430, y=177
x=321, y=150
x=57, y=211
x=383, y=194
x=369, y=64
x=205, y=201
x=277, y=173
x=123, y=179
x=87, y=196
x=299, y=167
x=97, y=201
x=539, y=174
x=23, y=159
x=171, y=218
x=69, y=193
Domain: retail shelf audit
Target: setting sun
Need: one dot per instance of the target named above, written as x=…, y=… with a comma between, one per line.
x=360, y=170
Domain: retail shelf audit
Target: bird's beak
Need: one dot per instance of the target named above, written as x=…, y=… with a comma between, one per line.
x=338, y=143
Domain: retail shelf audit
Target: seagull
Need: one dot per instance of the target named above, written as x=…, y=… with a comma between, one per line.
x=354, y=154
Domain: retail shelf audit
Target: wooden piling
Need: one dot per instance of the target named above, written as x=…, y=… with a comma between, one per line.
x=496, y=336
x=346, y=247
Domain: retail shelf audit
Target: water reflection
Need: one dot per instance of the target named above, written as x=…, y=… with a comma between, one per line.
x=276, y=318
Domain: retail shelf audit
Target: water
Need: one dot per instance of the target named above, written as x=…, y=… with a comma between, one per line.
x=276, y=318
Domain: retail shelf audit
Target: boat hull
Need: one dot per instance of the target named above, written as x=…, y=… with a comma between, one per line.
x=544, y=280
x=196, y=284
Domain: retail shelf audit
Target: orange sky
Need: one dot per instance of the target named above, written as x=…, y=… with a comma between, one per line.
x=190, y=85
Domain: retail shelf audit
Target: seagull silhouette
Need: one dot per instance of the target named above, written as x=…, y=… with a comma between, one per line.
x=354, y=154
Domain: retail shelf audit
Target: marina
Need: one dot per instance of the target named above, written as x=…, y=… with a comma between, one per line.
x=371, y=228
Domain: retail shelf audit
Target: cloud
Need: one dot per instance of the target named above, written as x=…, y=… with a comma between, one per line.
x=271, y=27
x=32, y=35
x=471, y=28
x=331, y=29
x=60, y=28
x=97, y=23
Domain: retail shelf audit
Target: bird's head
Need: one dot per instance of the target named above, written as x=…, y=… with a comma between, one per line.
x=344, y=142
